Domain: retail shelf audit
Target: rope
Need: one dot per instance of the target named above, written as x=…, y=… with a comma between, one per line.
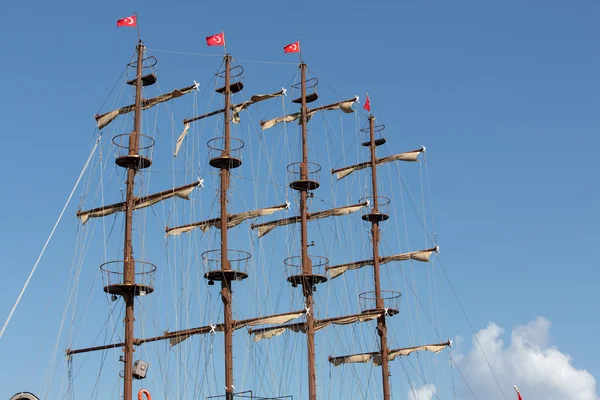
x=12, y=311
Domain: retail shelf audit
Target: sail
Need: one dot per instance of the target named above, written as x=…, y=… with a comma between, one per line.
x=421, y=255
x=140, y=202
x=232, y=220
x=375, y=357
x=410, y=156
x=107, y=118
x=180, y=336
x=267, y=227
x=267, y=333
x=345, y=106
x=235, y=118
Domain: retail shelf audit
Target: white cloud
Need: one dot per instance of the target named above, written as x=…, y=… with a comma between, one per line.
x=423, y=393
x=541, y=371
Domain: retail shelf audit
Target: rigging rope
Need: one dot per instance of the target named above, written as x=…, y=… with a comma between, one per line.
x=12, y=311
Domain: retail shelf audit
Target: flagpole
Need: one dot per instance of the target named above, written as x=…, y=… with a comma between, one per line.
x=301, y=60
x=224, y=41
x=137, y=27
x=369, y=100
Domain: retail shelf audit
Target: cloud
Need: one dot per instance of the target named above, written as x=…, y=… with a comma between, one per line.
x=541, y=371
x=423, y=393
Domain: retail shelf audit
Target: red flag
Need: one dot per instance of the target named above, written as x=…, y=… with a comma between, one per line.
x=292, y=47
x=129, y=21
x=216, y=40
x=367, y=105
x=518, y=393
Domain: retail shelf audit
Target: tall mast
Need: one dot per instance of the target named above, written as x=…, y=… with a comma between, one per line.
x=226, y=283
x=381, y=328
x=307, y=285
x=128, y=261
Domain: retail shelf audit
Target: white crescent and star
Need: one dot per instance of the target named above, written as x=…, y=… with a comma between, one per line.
x=294, y=47
x=129, y=21
x=217, y=39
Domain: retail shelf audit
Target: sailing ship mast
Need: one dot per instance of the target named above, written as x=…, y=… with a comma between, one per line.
x=130, y=282
x=307, y=279
x=128, y=293
x=375, y=216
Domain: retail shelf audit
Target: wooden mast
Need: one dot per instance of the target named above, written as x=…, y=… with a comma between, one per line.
x=307, y=285
x=226, y=282
x=128, y=261
x=381, y=327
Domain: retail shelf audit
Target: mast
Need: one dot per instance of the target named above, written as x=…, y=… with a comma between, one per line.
x=307, y=285
x=128, y=261
x=226, y=283
x=381, y=327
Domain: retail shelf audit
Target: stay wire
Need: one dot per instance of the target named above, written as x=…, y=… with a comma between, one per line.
x=12, y=311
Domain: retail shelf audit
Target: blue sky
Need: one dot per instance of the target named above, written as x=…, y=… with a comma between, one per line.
x=504, y=96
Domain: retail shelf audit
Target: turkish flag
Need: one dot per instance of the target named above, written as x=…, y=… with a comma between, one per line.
x=129, y=21
x=216, y=40
x=292, y=47
x=367, y=105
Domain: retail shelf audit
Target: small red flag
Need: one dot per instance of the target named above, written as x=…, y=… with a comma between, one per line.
x=518, y=393
x=129, y=21
x=216, y=40
x=292, y=47
x=367, y=105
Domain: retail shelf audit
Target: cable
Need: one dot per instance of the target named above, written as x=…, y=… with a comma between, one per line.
x=49, y=237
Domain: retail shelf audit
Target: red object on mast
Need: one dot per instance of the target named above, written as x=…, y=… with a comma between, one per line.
x=129, y=21
x=518, y=393
x=216, y=40
x=367, y=105
x=292, y=47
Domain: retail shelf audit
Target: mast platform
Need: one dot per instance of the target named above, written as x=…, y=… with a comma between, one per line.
x=114, y=279
x=310, y=84
x=133, y=160
x=312, y=174
x=390, y=300
x=216, y=272
x=223, y=159
x=382, y=207
x=308, y=280
x=233, y=88
x=147, y=80
x=234, y=73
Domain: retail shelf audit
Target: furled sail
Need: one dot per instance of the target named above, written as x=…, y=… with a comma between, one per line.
x=180, y=336
x=421, y=255
x=107, y=118
x=235, y=118
x=267, y=333
x=345, y=106
x=410, y=156
x=267, y=227
x=177, y=337
x=140, y=202
x=375, y=357
x=232, y=220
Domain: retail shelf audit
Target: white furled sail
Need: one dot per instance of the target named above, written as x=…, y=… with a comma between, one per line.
x=375, y=357
x=267, y=333
x=345, y=106
x=180, y=336
x=410, y=156
x=232, y=220
x=141, y=202
x=107, y=118
x=421, y=255
x=267, y=227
